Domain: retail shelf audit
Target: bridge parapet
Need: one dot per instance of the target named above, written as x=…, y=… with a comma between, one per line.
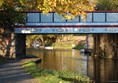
x=96, y=22
x=93, y=17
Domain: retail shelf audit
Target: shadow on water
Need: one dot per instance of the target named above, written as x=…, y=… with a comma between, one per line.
x=103, y=70
x=100, y=70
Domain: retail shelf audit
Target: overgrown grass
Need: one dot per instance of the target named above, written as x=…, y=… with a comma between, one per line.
x=53, y=76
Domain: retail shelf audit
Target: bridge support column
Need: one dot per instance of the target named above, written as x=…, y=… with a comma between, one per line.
x=106, y=45
x=20, y=45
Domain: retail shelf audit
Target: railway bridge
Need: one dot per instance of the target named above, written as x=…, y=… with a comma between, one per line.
x=102, y=24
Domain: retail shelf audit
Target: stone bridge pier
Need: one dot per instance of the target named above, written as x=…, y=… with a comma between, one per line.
x=106, y=45
x=20, y=46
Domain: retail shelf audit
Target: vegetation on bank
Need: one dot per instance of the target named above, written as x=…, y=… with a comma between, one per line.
x=79, y=46
x=53, y=76
x=62, y=45
x=66, y=45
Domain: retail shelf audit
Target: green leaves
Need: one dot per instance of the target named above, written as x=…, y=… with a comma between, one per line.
x=107, y=5
x=8, y=17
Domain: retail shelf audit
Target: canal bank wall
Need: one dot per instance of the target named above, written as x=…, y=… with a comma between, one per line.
x=106, y=45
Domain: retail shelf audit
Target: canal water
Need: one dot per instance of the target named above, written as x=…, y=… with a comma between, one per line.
x=102, y=71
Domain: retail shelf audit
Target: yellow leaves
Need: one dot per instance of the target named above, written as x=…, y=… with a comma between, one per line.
x=84, y=15
x=1, y=1
x=69, y=17
x=60, y=82
x=49, y=5
x=22, y=2
x=74, y=7
x=61, y=2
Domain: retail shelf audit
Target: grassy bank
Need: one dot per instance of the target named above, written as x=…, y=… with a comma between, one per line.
x=67, y=45
x=62, y=45
x=52, y=76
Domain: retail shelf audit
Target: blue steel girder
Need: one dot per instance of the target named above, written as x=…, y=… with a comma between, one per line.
x=96, y=22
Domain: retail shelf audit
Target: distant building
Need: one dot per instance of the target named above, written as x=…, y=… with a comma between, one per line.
x=36, y=44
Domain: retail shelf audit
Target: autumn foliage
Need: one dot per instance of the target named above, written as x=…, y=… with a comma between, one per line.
x=67, y=8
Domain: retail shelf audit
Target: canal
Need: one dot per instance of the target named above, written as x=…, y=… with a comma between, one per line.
x=100, y=70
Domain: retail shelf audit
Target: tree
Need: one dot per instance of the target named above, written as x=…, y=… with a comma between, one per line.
x=107, y=5
x=67, y=8
x=8, y=18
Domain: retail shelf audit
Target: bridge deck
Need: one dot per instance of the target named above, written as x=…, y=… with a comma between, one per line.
x=96, y=22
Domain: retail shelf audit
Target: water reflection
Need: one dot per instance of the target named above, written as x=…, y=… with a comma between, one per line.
x=102, y=71
x=69, y=60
